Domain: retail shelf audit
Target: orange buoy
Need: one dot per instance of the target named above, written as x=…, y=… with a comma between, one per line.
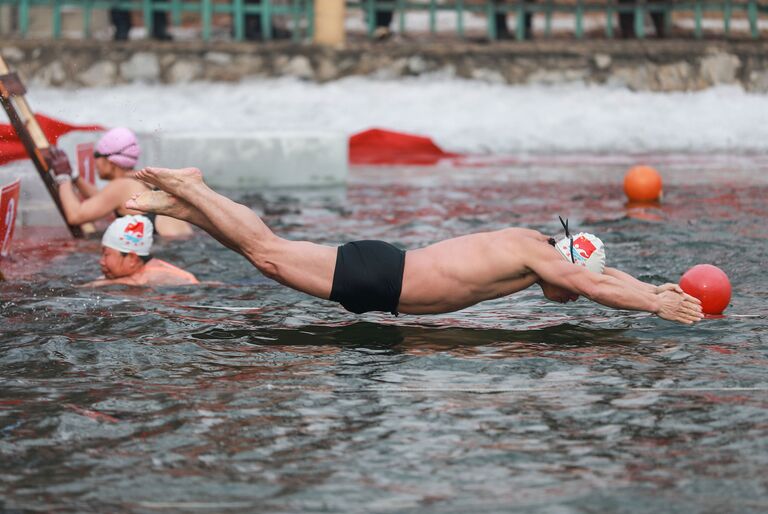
x=643, y=184
x=709, y=284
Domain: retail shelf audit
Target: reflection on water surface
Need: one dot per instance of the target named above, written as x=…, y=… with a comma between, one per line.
x=243, y=395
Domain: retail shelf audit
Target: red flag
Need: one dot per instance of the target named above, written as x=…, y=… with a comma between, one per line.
x=379, y=146
x=11, y=147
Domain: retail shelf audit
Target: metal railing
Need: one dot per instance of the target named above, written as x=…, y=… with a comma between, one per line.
x=577, y=9
x=301, y=13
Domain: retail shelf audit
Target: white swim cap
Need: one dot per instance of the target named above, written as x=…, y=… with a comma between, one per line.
x=129, y=234
x=588, y=251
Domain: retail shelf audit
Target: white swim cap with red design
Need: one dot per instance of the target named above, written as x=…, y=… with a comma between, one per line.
x=129, y=234
x=588, y=251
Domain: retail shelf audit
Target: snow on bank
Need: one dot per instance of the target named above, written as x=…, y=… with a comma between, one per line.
x=461, y=115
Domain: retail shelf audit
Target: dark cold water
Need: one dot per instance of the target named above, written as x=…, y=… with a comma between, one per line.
x=248, y=397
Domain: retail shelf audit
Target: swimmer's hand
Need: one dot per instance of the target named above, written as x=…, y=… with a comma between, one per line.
x=677, y=306
x=668, y=287
x=676, y=288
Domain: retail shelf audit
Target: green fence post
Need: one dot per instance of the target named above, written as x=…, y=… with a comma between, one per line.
x=727, y=17
x=266, y=19
x=609, y=20
x=548, y=18
x=490, y=9
x=206, y=16
x=668, y=8
x=400, y=7
x=752, y=15
x=460, y=18
x=519, y=20
x=87, y=15
x=147, y=10
x=432, y=16
x=310, y=33
x=176, y=12
x=640, y=20
x=238, y=20
x=296, y=10
x=579, y=19
x=697, y=15
x=56, y=19
x=371, y=16
x=24, y=17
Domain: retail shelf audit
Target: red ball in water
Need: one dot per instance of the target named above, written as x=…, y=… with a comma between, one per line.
x=643, y=184
x=709, y=284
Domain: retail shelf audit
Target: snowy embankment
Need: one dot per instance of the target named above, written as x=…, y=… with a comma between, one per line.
x=461, y=115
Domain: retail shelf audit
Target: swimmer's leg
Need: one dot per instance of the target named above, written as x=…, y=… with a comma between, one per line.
x=174, y=181
x=165, y=204
x=302, y=265
x=236, y=222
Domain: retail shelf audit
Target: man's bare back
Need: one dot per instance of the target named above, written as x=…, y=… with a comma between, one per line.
x=459, y=272
x=372, y=275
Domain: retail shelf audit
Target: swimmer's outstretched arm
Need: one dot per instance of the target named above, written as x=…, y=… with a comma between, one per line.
x=669, y=303
x=629, y=279
x=626, y=277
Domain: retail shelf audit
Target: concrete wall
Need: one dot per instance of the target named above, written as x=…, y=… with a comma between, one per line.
x=242, y=160
x=656, y=65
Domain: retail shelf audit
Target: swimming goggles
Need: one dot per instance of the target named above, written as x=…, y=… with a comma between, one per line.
x=97, y=154
x=568, y=235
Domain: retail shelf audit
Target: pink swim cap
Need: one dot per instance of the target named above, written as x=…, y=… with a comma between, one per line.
x=120, y=147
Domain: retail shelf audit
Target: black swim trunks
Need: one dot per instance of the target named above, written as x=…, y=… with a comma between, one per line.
x=368, y=276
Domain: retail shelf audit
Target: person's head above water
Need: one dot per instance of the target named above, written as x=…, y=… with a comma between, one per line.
x=126, y=246
x=584, y=249
x=118, y=146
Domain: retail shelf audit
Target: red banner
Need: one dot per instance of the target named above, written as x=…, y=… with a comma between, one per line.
x=386, y=147
x=86, y=162
x=9, y=206
x=11, y=147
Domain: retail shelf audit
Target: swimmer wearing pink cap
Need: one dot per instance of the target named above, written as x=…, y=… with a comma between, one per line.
x=126, y=258
x=116, y=155
x=445, y=276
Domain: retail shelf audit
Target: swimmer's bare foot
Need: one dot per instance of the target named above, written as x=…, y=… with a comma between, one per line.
x=160, y=202
x=173, y=181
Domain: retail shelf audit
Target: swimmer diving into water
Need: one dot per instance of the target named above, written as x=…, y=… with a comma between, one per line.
x=443, y=277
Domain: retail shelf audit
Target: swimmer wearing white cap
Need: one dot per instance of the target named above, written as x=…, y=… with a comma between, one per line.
x=443, y=277
x=126, y=258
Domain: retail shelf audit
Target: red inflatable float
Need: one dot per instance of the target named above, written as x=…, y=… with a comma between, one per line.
x=709, y=284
